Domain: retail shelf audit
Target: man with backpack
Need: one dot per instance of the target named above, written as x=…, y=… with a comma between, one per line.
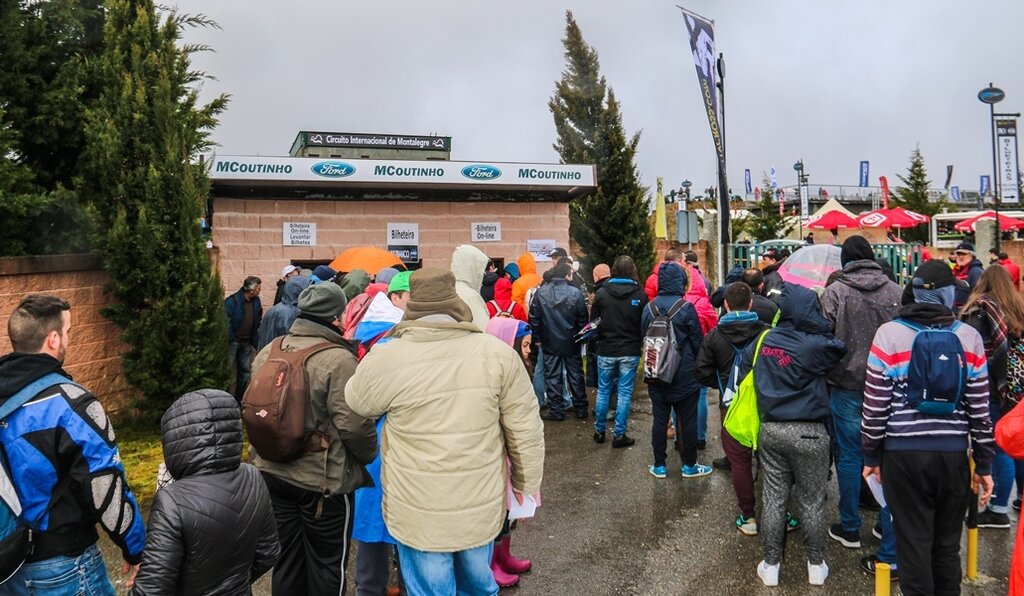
x=718, y=367
x=557, y=314
x=925, y=404
x=311, y=466
x=858, y=303
x=62, y=459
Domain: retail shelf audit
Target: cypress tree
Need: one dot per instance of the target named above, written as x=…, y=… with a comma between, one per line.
x=913, y=195
x=613, y=220
x=140, y=172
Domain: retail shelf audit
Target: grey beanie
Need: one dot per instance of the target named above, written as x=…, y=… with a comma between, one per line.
x=322, y=301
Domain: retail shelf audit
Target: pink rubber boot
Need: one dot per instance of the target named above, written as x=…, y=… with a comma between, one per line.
x=504, y=558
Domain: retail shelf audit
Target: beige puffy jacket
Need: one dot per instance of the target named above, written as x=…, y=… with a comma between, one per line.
x=458, y=402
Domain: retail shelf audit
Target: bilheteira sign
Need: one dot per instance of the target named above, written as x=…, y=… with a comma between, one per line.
x=485, y=232
x=299, y=234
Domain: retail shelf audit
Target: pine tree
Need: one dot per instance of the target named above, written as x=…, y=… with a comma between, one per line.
x=613, y=220
x=764, y=221
x=913, y=195
x=139, y=170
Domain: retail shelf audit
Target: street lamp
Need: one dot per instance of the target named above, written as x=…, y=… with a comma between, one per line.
x=801, y=182
x=685, y=186
x=993, y=95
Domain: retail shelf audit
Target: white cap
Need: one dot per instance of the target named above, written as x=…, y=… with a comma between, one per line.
x=288, y=269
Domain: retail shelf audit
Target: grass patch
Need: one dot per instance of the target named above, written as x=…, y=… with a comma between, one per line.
x=138, y=440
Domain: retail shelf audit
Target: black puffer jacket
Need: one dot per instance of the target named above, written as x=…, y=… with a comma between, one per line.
x=212, y=531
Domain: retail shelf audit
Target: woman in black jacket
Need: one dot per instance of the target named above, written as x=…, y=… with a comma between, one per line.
x=212, y=530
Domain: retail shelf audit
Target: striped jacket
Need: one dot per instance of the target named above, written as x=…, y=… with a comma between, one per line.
x=888, y=423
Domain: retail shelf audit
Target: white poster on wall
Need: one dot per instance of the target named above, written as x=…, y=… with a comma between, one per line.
x=489, y=231
x=404, y=233
x=299, y=234
x=540, y=249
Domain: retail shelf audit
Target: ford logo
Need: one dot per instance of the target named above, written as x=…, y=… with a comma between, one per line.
x=991, y=95
x=333, y=169
x=481, y=172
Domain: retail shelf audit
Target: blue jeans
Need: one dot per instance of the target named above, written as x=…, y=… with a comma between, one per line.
x=1003, y=469
x=702, y=415
x=241, y=353
x=887, y=547
x=608, y=368
x=538, y=384
x=463, y=572
x=846, y=417
x=59, y=576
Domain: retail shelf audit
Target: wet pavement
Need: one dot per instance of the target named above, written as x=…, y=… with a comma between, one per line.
x=607, y=527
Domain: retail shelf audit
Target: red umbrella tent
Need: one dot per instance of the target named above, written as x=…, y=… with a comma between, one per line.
x=1005, y=222
x=896, y=217
x=831, y=220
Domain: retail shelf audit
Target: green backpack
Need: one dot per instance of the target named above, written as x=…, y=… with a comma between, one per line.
x=742, y=420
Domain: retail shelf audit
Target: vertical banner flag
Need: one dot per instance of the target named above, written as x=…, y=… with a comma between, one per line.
x=771, y=173
x=885, y=191
x=805, y=200
x=782, y=202
x=1009, y=180
x=746, y=180
x=863, y=174
x=660, y=223
x=984, y=185
x=702, y=44
x=954, y=192
x=949, y=177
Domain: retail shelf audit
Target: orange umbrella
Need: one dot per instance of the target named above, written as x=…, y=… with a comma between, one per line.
x=368, y=258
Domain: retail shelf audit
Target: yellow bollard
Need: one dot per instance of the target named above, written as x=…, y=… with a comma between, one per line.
x=882, y=584
x=972, y=553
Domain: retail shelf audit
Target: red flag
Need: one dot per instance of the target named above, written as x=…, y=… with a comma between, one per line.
x=885, y=192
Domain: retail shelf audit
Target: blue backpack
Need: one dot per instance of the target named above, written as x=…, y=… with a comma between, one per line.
x=937, y=373
x=16, y=532
x=727, y=392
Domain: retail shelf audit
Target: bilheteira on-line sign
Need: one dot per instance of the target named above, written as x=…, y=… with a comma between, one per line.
x=299, y=234
x=489, y=231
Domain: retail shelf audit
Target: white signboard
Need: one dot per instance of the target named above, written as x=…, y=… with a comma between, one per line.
x=448, y=173
x=489, y=231
x=540, y=249
x=406, y=234
x=299, y=234
x=1006, y=133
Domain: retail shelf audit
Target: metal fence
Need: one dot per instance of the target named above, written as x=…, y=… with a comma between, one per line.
x=902, y=258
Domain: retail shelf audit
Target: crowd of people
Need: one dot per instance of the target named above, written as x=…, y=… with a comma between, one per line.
x=405, y=411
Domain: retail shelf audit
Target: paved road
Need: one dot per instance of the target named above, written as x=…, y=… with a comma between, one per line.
x=607, y=527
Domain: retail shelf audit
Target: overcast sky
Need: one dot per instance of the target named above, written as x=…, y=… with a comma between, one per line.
x=831, y=82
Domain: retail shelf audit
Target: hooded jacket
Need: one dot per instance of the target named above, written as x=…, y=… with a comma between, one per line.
x=353, y=441
x=63, y=435
x=1009, y=435
x=971, y=273
x=620, y=304
x=502, y=301
x=281, y=316
x=773, y=281
x=487, y=286
x=1013, y=269
x=355, y=283
x=557, y=314
x=458, y=401
x=860, y=301
x=686, y=326
x=468, y=265
x=794, y=358
x=187, y=549
x=697, y=295
x=528, y=279
x=717, y=354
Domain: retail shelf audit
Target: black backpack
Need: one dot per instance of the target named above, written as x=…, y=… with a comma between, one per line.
x=661, y=352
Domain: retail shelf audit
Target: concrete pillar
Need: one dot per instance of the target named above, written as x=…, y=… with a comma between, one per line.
x=710, y=233
x=984, y=238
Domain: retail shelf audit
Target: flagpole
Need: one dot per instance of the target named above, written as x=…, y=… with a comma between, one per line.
x=699, y=16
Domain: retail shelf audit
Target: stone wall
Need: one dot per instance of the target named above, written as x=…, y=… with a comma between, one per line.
x=248, y=232
x=94, y=357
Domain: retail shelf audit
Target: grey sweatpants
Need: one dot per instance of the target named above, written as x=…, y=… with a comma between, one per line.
x=793, y=454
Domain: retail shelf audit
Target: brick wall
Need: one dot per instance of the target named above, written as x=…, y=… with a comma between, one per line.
x=248, y=232
x=94, y=357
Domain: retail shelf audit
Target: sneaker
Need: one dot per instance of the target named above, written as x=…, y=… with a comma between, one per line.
x=552, y=417
x=848, y=538
x=869, y=564
x=598, y=437
x=876, y=530
x=721, y=463
x=746, y=525
x=769, y=574
x=659, y=471
x=991, y=519
x=622, y=441
x=702, y=445
x=1016, y=504
x=792, y=522
x=816, y=574
x=696, y=471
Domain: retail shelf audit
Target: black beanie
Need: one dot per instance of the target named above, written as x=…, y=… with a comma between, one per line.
x=856, y=248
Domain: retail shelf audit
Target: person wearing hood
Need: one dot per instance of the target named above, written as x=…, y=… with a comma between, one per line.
x=468, y=265
x=287, y=273
x=792, y=361
x=323, y=273
x=559, y=312
x=968, y=268
x=672, y=255
x=716, y=362
x=860, y=301
x=354, y=283
x=619, y=306
x=528, y=279
x=681, y=395
x=921, y=459
x=501, y=304
x=511, y=272
x=187, y=550
x=718, y=296
x=280, y=317
x=490, y=278
x=771, y=260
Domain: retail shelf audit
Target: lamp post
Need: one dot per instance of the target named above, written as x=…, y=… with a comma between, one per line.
x=993, y=95
x=685, y=186
x=801, y=181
